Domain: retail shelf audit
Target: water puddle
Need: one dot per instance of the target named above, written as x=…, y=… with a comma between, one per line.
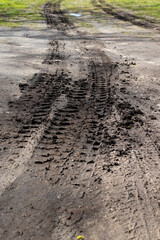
x=75, y=14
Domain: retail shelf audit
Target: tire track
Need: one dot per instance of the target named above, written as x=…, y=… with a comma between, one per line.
x=124, y=15
x=132, y=209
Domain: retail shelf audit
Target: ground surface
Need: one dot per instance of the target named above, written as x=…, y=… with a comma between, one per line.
x=80, y=142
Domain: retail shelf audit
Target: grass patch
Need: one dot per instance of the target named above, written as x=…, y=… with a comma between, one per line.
x=86, y=25
x=142, y=8
x=77, y=5
x=15, y=12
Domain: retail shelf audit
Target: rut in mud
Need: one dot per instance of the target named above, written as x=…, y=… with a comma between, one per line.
x=81, y=160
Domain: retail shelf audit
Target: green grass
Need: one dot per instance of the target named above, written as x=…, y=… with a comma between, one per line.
x=14, y=12
x=77, y=5
x=142, y=8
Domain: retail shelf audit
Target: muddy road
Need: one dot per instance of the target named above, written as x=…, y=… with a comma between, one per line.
x=79, y=149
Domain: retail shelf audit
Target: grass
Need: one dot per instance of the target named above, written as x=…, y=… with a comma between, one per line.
x=77, y=5
x=14, y=12
x=142, y=8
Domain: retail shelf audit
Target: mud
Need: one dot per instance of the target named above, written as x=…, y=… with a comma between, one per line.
x=79, y=157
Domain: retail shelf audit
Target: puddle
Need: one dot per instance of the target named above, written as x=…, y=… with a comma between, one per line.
x=75, y=14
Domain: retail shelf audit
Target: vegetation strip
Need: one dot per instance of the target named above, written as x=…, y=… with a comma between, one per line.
x=15, y=12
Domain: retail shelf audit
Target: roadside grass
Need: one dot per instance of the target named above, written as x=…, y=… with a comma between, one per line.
x=142, y=8
x=15, y=12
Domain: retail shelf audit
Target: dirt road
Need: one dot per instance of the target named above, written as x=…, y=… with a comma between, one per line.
x=80, y=148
